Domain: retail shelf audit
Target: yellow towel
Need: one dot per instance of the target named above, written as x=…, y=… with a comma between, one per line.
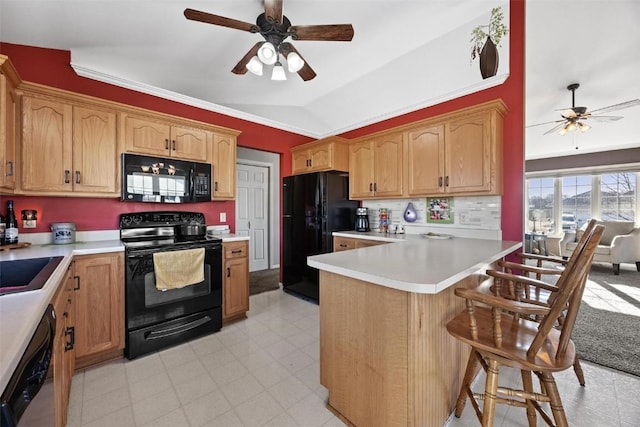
x=177, y=269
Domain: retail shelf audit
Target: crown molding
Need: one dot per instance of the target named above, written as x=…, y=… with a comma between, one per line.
x=216, y=108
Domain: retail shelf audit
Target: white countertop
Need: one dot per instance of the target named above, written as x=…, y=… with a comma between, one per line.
x=21, y=312
x=417, y=265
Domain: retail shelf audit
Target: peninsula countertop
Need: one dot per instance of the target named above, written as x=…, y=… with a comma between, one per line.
x=417, y=264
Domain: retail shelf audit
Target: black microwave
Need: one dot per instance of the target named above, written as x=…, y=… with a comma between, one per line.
x=153, y=179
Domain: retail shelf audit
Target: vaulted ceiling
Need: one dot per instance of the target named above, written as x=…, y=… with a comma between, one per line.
x=405, y=55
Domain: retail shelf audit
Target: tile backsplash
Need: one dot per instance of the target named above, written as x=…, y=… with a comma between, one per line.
x=469, y=213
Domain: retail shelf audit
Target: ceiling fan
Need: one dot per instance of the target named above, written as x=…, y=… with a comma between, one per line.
x=576, y=117
x=275, y=28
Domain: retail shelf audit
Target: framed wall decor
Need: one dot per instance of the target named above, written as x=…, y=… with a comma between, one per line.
x=440, y=210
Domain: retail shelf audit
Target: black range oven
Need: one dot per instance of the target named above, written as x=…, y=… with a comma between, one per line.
x=157, y=318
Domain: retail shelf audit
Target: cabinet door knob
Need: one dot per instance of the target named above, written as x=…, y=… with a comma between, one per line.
x=77, y=279
x=439, y=181
x=173, y=145
x=375, y=186
x=237, y=251
x=371, y=186
x=77, y=177
x=9, y=168
x=228, y=272
x=446, y=181
x=215, y=186
x=66, y=176
x=166, y=144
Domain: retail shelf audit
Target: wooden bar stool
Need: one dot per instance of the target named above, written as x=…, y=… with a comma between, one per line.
x=500, y=335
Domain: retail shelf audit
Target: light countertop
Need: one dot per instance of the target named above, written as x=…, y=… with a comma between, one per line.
x=21, y=312
x=419, y=264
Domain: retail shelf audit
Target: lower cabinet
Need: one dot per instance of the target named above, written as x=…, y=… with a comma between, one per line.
x=99, y=304
x=63, y=362
x=347, y=243
x=235, y=295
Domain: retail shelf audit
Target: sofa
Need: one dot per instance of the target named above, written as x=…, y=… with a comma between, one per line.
x=620, y=243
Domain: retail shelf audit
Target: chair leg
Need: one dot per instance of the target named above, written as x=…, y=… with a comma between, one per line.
x=638, y=265
x=490, y=394
x=577, y=368
x=469, y=374
x=527, y=385
x=556, y=403
x=616, y=269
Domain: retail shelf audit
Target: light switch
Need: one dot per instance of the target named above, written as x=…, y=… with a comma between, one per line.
x=223, y=217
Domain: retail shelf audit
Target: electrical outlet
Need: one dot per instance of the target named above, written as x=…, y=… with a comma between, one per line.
x=223, y=217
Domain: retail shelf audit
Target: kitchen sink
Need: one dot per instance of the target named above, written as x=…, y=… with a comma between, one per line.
x=24, y=275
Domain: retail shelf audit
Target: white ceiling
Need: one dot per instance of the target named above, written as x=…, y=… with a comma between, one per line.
x=405, y=55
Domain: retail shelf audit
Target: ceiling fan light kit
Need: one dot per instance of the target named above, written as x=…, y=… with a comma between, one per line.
x=274, y=27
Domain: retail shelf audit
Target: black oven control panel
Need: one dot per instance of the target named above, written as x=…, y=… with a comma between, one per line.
x=158, y=219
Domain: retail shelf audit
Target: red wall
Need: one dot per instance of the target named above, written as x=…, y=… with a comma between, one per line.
x=512, y=93
x=51, y=67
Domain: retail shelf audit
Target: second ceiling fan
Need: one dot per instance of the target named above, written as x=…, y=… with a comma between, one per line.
x=275, y=28
x=575, y=118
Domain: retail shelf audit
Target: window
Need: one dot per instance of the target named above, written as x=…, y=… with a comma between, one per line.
x=576, y=201
x=541, y=209
x=618, y=196
x=559, y=204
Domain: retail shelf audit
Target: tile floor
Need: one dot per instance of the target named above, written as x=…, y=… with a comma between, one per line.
x=264, y=371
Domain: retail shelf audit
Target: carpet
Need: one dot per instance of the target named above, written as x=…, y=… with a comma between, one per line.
x=607, y=329
x=263, y=281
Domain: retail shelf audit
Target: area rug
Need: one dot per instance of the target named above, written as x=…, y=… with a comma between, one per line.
x=602, y=333
x=264, y=280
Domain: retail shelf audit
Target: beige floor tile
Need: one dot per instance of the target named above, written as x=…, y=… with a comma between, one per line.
x=149, y=386
x=195, y=388
x=242, y=389
x=121, y=418
x=258, y=410
x=105, y=404
x=175, y=418
x=156, y=406
x=206, y=408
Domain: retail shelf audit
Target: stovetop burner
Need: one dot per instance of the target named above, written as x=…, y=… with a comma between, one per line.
x=155, y=229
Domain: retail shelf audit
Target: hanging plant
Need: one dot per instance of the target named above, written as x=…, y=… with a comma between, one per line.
x=496, y=30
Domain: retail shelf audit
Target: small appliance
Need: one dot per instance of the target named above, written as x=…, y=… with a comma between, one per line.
x=362, y=219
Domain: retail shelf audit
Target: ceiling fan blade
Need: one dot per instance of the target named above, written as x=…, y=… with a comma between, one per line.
x=555, y=128
x=338, y=32
x=273, y=10
x=617, y=107
x=241, y=66
x=209, y=18
x=605, y=118
x=545, y=123
x=306, y=72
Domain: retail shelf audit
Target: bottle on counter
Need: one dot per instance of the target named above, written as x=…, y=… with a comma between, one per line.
x=11, y=226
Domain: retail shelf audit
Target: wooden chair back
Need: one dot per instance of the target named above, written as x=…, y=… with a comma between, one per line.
x=566, y=301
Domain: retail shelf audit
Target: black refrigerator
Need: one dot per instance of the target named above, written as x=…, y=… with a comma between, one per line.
x=314, y=205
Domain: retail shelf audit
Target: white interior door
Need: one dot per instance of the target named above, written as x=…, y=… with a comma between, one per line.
x=252, y=213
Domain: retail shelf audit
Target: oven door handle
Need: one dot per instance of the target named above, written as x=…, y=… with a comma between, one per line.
x=154, y=335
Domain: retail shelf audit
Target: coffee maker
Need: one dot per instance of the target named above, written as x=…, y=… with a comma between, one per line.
x=362, y=219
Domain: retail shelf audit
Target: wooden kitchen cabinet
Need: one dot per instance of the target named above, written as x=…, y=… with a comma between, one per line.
x=473, y=154
x=235, y=295
x=323, y=155
x=424, y=161
x=68, y=148
x=156, y=137
x=9, y=114
x=224, y=166
x=63, y=362
x=99, y=303
x=375, y=166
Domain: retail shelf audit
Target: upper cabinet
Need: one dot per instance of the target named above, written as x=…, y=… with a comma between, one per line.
x=458, y=153
x=224, y=166
x=9, y=119
x=473, y=154
x=323, y=155
x=68, y=147
x=146, y=135
x=375, y=166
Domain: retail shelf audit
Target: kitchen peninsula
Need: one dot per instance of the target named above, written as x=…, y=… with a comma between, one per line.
x=385, y=355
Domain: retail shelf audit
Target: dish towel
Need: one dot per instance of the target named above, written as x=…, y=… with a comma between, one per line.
x=177, y=269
